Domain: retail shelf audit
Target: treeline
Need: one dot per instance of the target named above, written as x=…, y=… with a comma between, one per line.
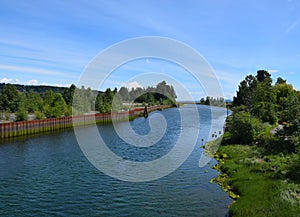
x=161, y=94
x=212, y=101
x=260, y=151
x=259, y=106
x=48, y=103
x=35, y=88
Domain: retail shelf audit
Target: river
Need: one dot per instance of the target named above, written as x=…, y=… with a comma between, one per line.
x=48, y=175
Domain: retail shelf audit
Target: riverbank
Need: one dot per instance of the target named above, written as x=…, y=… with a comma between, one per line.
x=260, y=184
x=21, y=128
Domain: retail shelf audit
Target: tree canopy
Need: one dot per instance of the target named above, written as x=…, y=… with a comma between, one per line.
x=258, y=106
x=47, y=103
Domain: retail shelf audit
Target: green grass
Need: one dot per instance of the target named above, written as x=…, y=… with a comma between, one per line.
x=262, y=183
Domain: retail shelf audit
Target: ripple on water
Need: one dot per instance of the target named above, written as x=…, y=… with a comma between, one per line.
x=47, y=175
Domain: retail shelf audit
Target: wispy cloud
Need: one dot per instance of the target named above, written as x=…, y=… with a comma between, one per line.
x=32, y=82
x=293, y=26
x=272, y=71
x=32, y=70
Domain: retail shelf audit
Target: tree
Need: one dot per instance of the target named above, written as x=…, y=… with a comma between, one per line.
x=283, y=91
x=291, y=111
x=124, y=94
x=280, y=81
x=161, y=94
x=202, y=101
x=34, y=102
x=289, y=136
x=10, y=98
x=21, y=113
x=104, y=101
x=116, y=104
x=83, y=100
x=55, y=105
x=68, y=94
x=245, y=92
x=243, y=127
x=166, y=90
x=264, y=76
x=59, y=106
x=264, y=103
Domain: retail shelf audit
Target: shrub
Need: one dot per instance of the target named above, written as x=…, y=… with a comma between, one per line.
x=21, y=114
x=243, y=127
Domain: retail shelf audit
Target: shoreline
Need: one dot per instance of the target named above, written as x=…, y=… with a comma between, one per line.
x=210, y=150
x=23, y=128
x=253, y=182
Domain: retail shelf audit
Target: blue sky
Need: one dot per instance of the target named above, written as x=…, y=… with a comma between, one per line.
x=51, y=42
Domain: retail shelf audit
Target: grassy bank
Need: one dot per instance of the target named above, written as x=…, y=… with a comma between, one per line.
x=262, y=185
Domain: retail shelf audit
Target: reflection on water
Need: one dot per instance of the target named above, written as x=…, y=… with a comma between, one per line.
x=48, y=175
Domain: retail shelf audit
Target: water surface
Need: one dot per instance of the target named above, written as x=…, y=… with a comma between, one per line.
x=48, y=175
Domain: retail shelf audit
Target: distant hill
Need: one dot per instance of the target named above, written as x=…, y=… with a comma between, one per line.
x=36, y=88
x=40, y=88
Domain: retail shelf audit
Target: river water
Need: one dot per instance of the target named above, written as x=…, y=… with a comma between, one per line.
x=48, y=175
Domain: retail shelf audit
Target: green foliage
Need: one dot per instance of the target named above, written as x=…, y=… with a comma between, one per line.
x=9, y=98
x=256, y=179
x=83, y=100
x=291, y=110
x=34, y=101
x=243, y=127
x=104, y=101
x=263, y=103
x=68, y=94
x=59, y=102
x=113, y=100
x=39, y=115
x=256, y=173
x=268, y=103
x=219, y=101
x=40, y=89
x=55, y=106
x=124, y=94
x=264, y=76
x=245, y=92
x=280, y=81
x=21, y=114
x=163, y=94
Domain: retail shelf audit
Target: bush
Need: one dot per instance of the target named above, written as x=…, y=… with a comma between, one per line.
x=39, y=115
x=243, y=128
x=21, y=114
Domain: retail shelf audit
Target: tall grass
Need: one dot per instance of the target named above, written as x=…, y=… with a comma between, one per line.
x=262, y=191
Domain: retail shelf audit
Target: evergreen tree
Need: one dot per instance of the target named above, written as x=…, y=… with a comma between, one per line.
x=9, y=98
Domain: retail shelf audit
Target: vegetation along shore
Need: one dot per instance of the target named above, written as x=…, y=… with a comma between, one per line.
x=259, y=155
x=34, y=109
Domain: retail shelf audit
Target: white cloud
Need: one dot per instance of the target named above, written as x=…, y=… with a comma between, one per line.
x=56, y=85
x=6, y=80
x=32, y=82
x=272, y=71
x=9, y=80
x=133, y=84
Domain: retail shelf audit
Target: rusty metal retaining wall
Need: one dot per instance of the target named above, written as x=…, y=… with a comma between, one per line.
x=36, y=126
